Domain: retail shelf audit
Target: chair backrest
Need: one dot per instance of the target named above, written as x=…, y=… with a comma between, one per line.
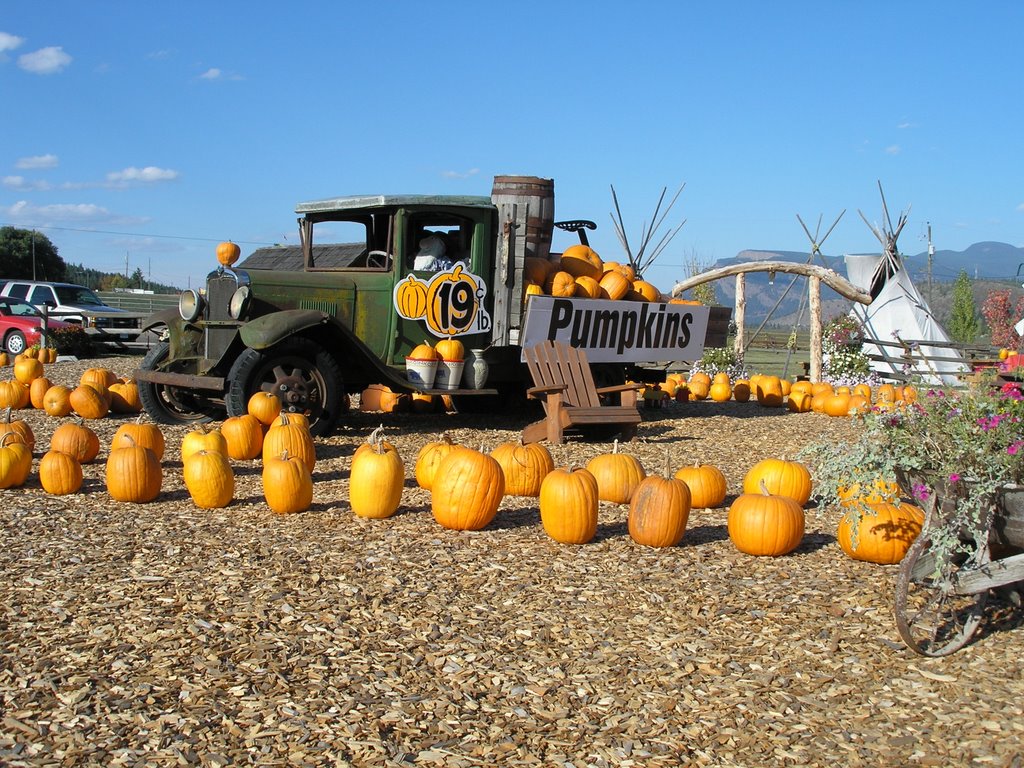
x=553, y=364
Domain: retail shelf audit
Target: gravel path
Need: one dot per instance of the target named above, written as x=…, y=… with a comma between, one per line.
x=163, y=635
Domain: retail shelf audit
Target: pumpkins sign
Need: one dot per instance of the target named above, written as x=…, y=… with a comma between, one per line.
x=451, y=302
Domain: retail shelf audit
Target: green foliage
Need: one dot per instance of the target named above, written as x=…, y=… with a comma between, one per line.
x=963, y=319
x=705, y=292
x=20, y=247
x=72, y=340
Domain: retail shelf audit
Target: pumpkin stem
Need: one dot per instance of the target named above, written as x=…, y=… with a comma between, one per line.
x=7, y=415
x=764, y=488
x=666, y=471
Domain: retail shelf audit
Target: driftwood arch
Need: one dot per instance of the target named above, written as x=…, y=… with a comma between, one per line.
x=815, y=275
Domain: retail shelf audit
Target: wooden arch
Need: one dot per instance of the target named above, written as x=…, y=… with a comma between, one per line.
x=815, y=275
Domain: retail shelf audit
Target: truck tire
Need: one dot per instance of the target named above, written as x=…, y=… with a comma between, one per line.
x=303, y=376
x=173, y=405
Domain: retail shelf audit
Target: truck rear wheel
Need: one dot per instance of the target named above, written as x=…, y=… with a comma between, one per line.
x=305, y=378
x=166, y=404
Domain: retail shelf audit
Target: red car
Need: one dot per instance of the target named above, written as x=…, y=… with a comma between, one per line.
x=20, y=325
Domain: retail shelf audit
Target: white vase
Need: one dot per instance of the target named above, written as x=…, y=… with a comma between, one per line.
x=474, y=375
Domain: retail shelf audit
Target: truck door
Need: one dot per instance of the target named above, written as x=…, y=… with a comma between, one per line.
x=442, y=291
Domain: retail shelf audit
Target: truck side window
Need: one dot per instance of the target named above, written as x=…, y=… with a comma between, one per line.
x=18, y=291
x=42, y=294
x=436, y=241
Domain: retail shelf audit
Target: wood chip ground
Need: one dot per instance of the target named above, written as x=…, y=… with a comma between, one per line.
x=164, y=635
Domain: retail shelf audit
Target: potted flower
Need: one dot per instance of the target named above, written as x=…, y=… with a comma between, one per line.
x=959, y=448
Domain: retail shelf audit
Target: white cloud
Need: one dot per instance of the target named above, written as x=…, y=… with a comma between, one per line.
x=37, y=161
x=52, y=214
x=893, y=149
x=9, y=42
x=45, y=61
x=460, y=174
x=20, y=182
x=148, y=175
x=211, y=74
x=905, y=124
x=1021, y=207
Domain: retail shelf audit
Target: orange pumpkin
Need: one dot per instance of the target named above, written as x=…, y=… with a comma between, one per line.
x=140, y=433
x=568, y=505
x=617, y=475
x=76, y=439
x=780, y=478
x=243, y=435
x=411, y=297
x=228, y=253
x=587, y=287
x=537, y=269
x=561, y=284
x=646, y=290
x=88, y=402
x=524, y=466
x=37, y=391
x=581, y=260
x=614, y=285
x=429, y=458
x=706, y=483
x=764, y=524
x=882, y=534
x=56, y=401
x=264, y=406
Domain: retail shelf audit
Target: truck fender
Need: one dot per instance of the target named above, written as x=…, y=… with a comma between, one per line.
x=167, y=317
x=268, y=330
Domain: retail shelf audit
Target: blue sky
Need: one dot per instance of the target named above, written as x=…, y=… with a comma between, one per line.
x=149, y=132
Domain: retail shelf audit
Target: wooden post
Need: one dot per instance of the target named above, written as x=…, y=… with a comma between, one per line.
x=814, y=291
x=741, y=310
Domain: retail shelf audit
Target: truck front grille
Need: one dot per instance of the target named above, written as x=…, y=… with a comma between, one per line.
x=220, y=329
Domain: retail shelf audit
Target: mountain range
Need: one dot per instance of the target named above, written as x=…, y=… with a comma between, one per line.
x=990, y=265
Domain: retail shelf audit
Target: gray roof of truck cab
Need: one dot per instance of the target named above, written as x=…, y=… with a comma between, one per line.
x=354, y=202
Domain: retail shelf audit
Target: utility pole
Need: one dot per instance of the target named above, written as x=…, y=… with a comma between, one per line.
x=33, y=255
x=931, y=255
x=126, y=265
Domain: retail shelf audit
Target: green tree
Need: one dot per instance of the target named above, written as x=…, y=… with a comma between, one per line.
x=963, y=317
x=18, y=247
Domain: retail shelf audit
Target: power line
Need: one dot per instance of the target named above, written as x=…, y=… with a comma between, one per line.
x=132, y=234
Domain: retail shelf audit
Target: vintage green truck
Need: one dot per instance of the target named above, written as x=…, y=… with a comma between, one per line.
x=343, y=310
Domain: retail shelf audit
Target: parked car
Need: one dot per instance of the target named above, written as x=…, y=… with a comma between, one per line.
x=21, y=325
x=76, y=304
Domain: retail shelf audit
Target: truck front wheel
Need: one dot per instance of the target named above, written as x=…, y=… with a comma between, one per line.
x=167, y=404
x=305, y=378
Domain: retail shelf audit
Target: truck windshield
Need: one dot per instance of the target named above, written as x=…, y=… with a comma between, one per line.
x=77, y=295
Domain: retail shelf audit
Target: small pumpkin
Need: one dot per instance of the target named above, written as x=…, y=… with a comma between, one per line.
x=56, y=401
x=287, y=484
x=141, y=433
x=883, y=533
x=799, y=401
x=781, y=478
x=720, y=393
x=568, y=505
x=764, y=524
x=133, y=473
x=228, y=253
x=88, y=402
x=706, y=483
x=646, y=290
x=614, y=285
x=13, y=394
x=37, y=391
x=768, y=391
x=18, y=427
x=60, y=473
x=524, y=465
x=103, y=377
x=76, y=439
x=561, y=284
x=203, y=440
x=424, y=351
x=27, y=369
x=659, y=510
x=124, y=397
x=376, y=480
x=468, y=487
x=209, y=478
x=293, y=438
x=617, y=475
x=581, y=259
x=452, y=350
x=587, y=287
x=265, y=406
x=741, y=391
x=243, y=436
x=429, y=459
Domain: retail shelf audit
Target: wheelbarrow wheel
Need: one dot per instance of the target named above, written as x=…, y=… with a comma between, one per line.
x=932, y=617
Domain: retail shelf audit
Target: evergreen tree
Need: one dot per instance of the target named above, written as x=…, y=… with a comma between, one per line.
x=963, y=317
x=26, y=254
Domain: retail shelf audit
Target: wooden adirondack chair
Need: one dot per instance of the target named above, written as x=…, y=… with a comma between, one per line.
x=564, y=383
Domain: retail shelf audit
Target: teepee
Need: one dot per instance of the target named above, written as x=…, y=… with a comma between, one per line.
x=898, y=313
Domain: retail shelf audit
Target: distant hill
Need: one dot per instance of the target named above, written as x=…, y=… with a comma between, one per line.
x=991, y=266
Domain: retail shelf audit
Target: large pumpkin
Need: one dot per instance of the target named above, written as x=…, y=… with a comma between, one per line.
x=614, y=285
x=524, y=467
x=76, y=439
x=201, y=439
x=209, y=478
x=15, y=461
x=124, y=397
x=376, y=480
x=768, y=391
x=765, y=524
x=468, y=487
x=133, y=473
x=13, y=394
x=18, y=427
x=587, y=287
x=617, y=475
x=560, y=283
x=56, y=401
x=781, y=478
x=37, y=391
x=568, y=505
x=88, y=402
x=647, y=291
x=658, y=511
x=287, y=484
x=27, y=369
x=883, y=533
x=706, y=483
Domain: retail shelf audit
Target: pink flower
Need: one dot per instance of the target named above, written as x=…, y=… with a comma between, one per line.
x=954, y=478
x=1013, y=448
x=922, y=492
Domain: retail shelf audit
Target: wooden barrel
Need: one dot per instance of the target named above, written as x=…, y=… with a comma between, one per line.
x=529, y=203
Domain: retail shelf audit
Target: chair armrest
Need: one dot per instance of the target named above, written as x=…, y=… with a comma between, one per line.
x=618, y=388
x=548, y=390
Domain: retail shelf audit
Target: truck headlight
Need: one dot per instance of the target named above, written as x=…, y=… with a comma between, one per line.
x=239, y=302
x=190, y=305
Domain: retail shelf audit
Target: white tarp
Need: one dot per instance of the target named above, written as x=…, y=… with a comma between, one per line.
x=900, y=313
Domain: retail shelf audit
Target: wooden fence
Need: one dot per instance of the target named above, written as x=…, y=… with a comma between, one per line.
x=908, y=355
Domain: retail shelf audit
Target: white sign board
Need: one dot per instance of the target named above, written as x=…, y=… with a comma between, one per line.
x=618, y=331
